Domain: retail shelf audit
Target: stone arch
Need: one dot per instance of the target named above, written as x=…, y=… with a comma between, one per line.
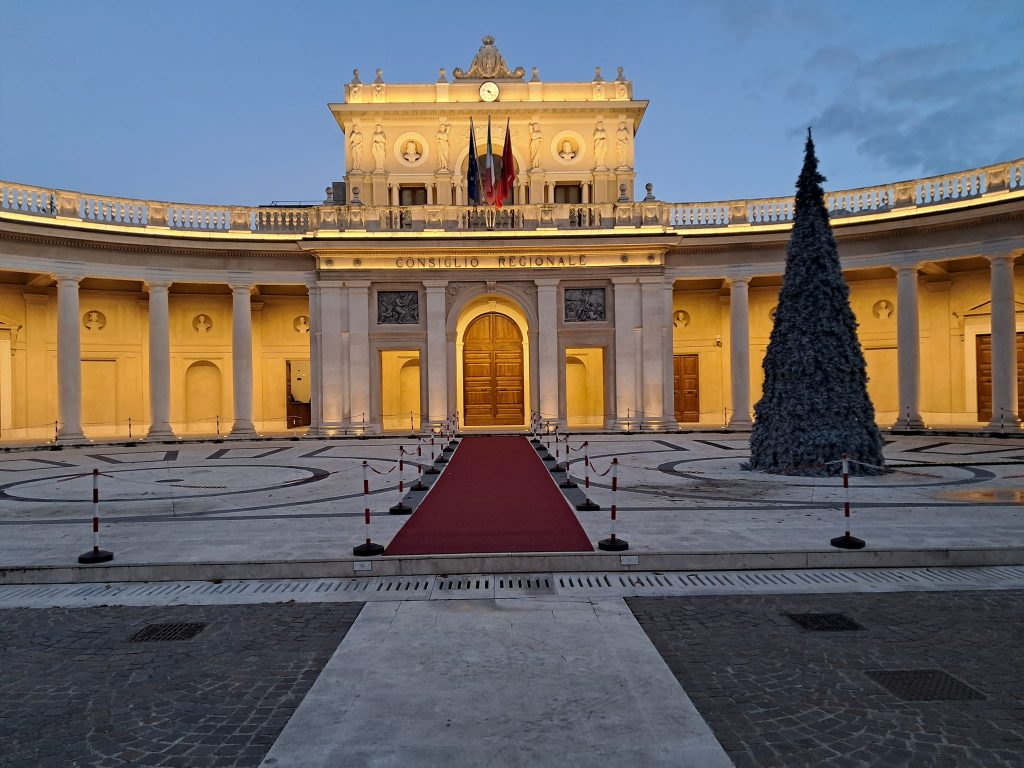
x=204, y=391
x=469, y=308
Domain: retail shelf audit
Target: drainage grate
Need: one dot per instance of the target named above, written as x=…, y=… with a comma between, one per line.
x=825, y=622
x=153, y=633
x=924, y=685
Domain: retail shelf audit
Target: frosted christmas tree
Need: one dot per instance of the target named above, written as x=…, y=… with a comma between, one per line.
x=815, y=405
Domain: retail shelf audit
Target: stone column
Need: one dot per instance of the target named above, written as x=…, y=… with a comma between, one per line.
x=241, y=360
x=437, y=362
x=908, y=345
x=653, y=300
x=159, y=363
x=359, y=354
x=667, y=359
x=331, y=378
x=1004, y=347
x=548, y=363
x=627, y=316
x=739, y=351
x=69, y=362
x=315, y=368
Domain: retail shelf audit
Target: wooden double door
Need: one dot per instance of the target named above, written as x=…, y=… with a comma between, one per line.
x=492, y=372
x=984, y=375
x=686, y=381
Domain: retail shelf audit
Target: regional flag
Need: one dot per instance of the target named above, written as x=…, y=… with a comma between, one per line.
x=473, y=174
x=508, y=168
x=489, y=167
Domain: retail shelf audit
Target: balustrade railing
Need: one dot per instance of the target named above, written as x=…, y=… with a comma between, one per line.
x=20, y=200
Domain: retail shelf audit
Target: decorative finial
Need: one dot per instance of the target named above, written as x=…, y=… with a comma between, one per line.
x=355, y=197
x=442, y=76
x=355, y=77
x=622, y=194
x=597, y=75
x=622, y=77
x=380, y=75
x=534, y=75
x=650, y=192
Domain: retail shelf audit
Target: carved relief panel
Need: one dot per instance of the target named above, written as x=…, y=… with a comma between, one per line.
x=583, y=305
x=398, y=307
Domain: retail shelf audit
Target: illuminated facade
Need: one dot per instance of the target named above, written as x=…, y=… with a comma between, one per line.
x=394, y=303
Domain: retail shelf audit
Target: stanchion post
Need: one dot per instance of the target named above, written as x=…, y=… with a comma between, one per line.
x=418, y=485
x=431, y=469
x=568, y=482
x=587, y=505
x=613, y=543
x=401, y=508
x=95, y=555
x=368, y=548
x=846, y=541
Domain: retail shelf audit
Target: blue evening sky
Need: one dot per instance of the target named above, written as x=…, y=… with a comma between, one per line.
x=224, y=102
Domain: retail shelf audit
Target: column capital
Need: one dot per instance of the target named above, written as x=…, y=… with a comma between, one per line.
x=546, y=282
x=624, y=281
x=158, y=285
x=735, y=280
x=66, y=280
x=435, y=284
x=1003, y=258
x=905, y=268
x=358, y=285
x=240, y=287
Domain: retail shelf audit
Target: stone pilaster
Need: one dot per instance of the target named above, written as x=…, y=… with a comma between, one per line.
x=627, y=322
x=437, y=363
x=359, y=355
x=1004, y=347
x=547, y=375
x=159, y=363
x=908, y=345
x=331, y=379
x=652, y=294
x=739, y=351
x=69, y=361
x=241, y=360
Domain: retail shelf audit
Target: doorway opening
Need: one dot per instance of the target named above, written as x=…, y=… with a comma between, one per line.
x=400, y=390
x=686, y=383
x=297, y=410
x=584, y=387
x=492, y=372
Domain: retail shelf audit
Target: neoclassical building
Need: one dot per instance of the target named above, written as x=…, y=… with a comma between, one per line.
x=395, y=303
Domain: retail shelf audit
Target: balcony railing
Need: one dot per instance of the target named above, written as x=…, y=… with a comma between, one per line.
x=20, y=201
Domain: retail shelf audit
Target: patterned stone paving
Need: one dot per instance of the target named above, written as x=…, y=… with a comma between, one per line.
x=778, y=695
x=75, y=692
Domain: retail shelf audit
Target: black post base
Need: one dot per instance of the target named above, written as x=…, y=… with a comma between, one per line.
x=95, y=556
x=442, y=459
x=588, y=506
x=568, y=483
x=612, y=545
x=431, y=470
x=547, y=458
x=369, y=549
x=846, y=541
x=417, y=486
x=535, y=440
x=400, y=509
x=557, y=468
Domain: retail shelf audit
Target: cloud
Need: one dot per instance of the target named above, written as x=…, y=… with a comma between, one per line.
x=922, y=110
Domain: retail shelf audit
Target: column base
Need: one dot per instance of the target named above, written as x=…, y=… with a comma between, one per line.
x=63, y=438
x=914, y=421
x=242, y=429
x=743, y=424
x=625, y=425
x=161, y=432
x=1001, y=426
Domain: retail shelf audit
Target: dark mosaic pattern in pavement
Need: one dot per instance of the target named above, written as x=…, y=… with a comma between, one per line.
x=75, y=692
x=778, y=695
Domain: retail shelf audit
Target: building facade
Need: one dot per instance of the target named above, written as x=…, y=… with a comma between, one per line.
x=395, y=303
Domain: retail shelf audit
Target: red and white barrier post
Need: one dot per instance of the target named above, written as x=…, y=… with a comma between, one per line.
x=367, y=549
x=587, y=505
x=95, y=555
x=613, y=543
x=846, y=541
x=418, y=485
x=401, y=508
x=431, y=469
x=568, y=482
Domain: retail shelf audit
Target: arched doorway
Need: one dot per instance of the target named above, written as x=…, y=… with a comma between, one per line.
x=492, y=372
x=202, y=396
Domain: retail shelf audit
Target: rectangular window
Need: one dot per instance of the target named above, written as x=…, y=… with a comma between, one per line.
x=412, y=195
x=571, y=194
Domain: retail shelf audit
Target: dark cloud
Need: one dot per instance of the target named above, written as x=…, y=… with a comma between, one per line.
x=925, y=109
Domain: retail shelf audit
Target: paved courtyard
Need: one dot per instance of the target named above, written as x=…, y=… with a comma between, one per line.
x=589, y=668
x=286, y=500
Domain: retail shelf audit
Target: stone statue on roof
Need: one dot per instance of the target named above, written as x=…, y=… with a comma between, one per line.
x=488, y=64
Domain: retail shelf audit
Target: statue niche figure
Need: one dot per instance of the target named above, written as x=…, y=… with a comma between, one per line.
x=355, y=149
x=567, y=152
x=379, y=139
x=442, y=146
x=600, y=145
x=535, y=139
x=622, y=145
x=412, y=151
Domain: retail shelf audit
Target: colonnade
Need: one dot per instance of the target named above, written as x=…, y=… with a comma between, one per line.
x=642, y=336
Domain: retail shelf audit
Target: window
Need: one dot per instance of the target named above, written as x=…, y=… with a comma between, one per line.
x=568, y=193
x=412, y=195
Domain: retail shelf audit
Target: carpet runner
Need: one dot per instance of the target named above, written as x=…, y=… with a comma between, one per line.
x=496, y=495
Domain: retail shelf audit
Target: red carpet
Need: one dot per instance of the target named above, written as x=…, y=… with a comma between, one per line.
x=495, y=495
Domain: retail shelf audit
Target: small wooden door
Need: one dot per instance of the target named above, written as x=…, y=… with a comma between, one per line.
x=984, y=375
x=492, y=372
x=686, y=379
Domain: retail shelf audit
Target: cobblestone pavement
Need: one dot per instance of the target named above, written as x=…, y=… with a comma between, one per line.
x=74, y=691
x=779, y=695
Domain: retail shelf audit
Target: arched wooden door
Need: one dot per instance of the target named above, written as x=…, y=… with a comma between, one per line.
x=492, y=372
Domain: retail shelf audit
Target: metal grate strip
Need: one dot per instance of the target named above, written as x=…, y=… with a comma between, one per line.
x=924, y=685
x=160, y=633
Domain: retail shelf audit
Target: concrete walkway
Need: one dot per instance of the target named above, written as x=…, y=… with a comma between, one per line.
x=500, y=683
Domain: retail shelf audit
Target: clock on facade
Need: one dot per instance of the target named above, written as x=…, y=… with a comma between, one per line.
x=489, y=91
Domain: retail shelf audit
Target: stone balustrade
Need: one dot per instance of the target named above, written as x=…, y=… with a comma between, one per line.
x=62, y=207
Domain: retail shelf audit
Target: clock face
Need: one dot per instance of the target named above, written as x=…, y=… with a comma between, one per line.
x=489, y=91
